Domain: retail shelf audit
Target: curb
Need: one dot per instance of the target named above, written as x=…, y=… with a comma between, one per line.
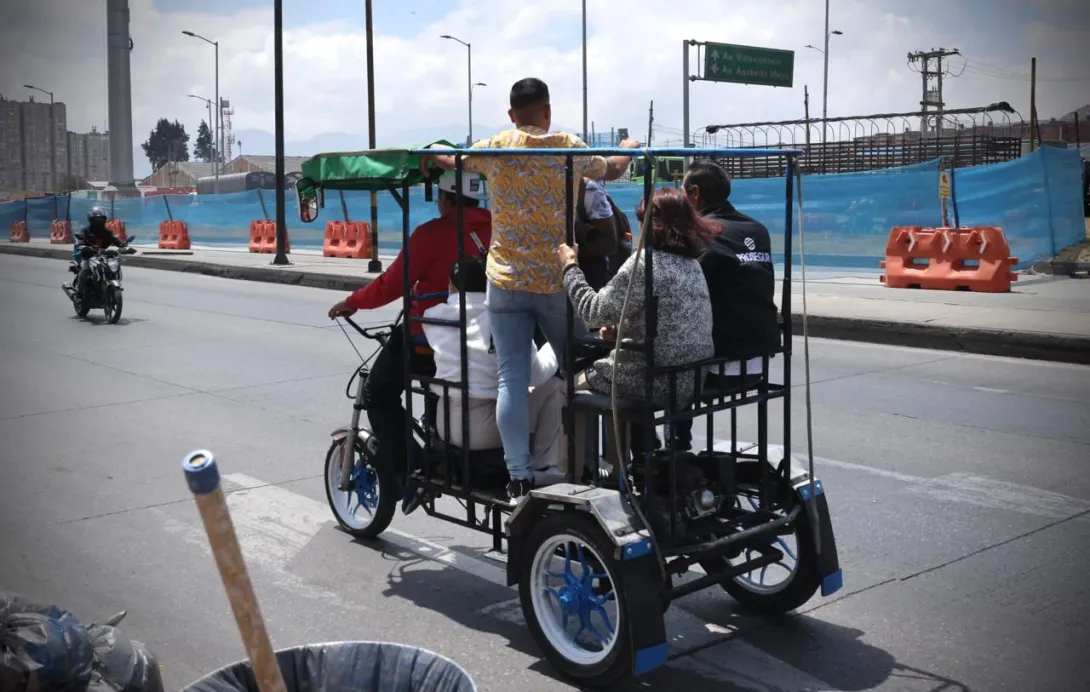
x=274, y=275
x=1062, y=268
x=992, y=342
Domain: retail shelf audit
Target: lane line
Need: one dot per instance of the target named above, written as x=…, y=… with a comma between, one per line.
x=274, y=525
x=958, y=488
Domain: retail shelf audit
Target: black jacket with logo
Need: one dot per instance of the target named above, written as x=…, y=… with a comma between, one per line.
x=741, y=283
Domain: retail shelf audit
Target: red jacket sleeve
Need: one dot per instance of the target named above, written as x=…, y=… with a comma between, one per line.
x=386, y=288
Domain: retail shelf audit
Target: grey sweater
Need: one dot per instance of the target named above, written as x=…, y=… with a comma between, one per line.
x=684, y=324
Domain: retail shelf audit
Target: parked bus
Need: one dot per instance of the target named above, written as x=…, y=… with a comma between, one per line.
x=236, y=182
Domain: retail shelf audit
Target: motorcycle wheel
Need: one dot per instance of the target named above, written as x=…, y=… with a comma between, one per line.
x=112, y=305
x=82, y=306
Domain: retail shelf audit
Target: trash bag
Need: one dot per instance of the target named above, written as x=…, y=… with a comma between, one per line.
x=42, y=648
x=46, y=649
x=121, y=665
x=348, y=667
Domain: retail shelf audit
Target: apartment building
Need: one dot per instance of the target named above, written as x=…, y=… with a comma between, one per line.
x=39, y=154
x=89, y=156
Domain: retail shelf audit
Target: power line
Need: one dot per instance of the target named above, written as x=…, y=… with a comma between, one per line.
x=980, y=69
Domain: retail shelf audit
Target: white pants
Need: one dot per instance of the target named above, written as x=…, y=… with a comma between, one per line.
x=546, y=434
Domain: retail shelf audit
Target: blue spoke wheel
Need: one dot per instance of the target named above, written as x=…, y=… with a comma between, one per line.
x=367, y=507
x=572, y=600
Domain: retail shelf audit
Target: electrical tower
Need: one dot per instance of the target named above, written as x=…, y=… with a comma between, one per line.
x=227, y=135
x=932, y=84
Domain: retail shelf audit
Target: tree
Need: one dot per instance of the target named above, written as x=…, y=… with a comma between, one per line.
x=167, y=142
x=203, y=148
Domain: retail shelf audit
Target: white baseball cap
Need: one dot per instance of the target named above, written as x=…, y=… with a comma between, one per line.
x=472, y=184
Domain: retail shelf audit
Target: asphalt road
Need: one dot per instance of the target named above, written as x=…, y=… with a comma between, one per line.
x=958, y=487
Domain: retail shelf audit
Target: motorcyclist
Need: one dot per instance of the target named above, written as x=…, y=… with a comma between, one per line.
x=96, y=236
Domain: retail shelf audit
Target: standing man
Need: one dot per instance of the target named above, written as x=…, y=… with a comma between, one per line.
x=529, y=196
x=741, y=284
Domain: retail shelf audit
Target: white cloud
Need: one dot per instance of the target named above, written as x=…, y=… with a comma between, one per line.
x=634, y=57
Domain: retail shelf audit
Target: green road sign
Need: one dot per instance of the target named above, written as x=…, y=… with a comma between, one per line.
x=724, y=62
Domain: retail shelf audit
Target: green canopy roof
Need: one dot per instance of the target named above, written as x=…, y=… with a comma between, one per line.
x=372, y=170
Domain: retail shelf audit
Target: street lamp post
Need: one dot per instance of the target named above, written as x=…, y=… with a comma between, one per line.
x=218, y=136
x=585, y=70
x=469, y=81
x=825, y=79
x=208, y=102
x=52, y=138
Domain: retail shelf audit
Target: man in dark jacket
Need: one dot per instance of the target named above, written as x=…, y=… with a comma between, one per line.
x=741, y=283
x=96, y=236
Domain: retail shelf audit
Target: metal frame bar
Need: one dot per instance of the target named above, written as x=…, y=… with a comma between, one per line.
x=765, y=390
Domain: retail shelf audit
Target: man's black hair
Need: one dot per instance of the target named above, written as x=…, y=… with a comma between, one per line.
x=468, y=275
x=711, y=178
x=529, y=92
x=467, y=202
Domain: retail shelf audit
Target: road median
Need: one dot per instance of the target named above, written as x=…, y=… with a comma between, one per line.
x=1066, y=348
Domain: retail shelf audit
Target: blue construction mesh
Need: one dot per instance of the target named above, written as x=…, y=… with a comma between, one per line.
x=1037, y=200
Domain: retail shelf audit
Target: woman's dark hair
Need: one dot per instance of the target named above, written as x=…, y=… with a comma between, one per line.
x=529, y=92
x=711, y=178
x=468, y=275
x=675, y=226
x=467, y=202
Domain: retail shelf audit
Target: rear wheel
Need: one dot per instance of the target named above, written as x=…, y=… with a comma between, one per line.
x=569, y=591
x=113, y=305
x=782, y=586
x=366, y=509
x=81, y=304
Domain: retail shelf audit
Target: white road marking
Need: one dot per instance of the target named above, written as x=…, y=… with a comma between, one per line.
x=960, y=488
x=274, y=524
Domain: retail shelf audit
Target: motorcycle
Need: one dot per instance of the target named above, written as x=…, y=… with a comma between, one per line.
x=102, y=289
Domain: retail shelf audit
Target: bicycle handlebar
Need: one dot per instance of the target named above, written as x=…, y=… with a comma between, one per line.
x=373, y=333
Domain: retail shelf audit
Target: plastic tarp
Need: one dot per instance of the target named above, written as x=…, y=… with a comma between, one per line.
x=348, y=667
x=46, y=649
x=372, y=170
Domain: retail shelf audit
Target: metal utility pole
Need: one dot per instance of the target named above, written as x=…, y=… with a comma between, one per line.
x=278, y=113
x=931, y=98
x=584, y=70
x=374, y=266
x=217, y=136
x=685, y=79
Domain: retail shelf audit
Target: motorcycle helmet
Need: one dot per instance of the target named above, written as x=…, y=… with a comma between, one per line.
x=96, y=213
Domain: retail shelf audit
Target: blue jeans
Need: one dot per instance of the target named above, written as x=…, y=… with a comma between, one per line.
x=513, y=316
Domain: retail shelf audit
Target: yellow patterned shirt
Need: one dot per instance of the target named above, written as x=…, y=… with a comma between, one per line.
x=528, y=206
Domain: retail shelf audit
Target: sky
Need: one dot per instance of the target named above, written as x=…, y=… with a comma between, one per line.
x=634, y=57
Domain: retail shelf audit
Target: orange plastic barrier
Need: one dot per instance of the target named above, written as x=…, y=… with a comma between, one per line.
x=263, y=237
x=173, y=235
x=60, y=232
x=17, y=232
x=351, y=240
x=117, y=227
x=949, y=259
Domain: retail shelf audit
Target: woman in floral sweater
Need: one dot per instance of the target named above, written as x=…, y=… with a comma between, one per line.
x=684, y=334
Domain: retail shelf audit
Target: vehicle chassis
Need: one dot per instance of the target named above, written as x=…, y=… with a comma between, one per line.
x=643, y=560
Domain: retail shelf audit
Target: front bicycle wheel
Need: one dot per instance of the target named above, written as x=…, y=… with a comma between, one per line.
x=366, y=509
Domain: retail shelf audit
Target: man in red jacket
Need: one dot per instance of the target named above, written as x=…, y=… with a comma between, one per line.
x=433, y=247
